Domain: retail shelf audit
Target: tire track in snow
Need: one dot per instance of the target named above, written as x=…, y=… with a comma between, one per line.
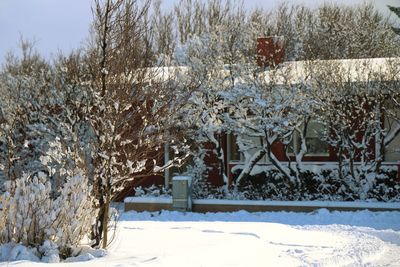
x=355, y=248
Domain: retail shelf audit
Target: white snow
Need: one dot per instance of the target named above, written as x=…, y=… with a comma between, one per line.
x=321, y=238
x=16, y=252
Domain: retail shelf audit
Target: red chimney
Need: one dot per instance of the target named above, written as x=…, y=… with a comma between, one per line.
x=270, y=51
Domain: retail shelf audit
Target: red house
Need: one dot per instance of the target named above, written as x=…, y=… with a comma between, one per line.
x=271, y=54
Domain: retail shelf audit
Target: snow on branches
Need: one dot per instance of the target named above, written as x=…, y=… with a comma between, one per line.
x=30, y=215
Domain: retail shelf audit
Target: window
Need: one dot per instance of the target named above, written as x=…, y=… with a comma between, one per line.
x=233, y=149
x=315, y=146
x=251, y=144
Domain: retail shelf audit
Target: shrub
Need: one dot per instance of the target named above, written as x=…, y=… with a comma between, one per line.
x=323, y=185
x=30, y=216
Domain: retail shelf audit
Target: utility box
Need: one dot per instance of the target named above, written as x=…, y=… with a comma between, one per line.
x=181, y=193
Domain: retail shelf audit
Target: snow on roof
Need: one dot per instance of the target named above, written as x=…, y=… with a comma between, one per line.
x=354, y=70
x=292, y=72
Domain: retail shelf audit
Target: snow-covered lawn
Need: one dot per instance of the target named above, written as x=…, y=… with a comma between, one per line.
x=246, y=239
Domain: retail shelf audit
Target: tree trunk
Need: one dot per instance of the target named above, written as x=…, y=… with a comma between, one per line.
x=245, y=173
x=221, y=158
x=105, y=223
x=352, y=172
x=340, y=164
x=293, y=183
x=303, y=148
x=97, y=229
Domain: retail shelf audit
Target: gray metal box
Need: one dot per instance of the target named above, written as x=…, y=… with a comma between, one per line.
x=181, y=199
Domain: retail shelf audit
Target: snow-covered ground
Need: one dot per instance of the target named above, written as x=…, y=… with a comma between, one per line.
x=246, y=239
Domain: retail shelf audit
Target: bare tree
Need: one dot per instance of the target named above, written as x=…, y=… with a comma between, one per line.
x=132, y=102
x=164, y=34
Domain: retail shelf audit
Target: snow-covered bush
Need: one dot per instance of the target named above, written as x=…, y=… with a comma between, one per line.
x=322, y=185
x=30, y=216
x=25, y=206
x=152, y=191
x=18, y=252
x=74, y=214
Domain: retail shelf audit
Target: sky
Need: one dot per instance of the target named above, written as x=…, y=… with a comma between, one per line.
x=63, y=25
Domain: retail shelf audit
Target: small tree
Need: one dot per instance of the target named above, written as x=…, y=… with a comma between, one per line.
x=214, y=61
x=132, y=102
x=269, y=108
x=351, y=99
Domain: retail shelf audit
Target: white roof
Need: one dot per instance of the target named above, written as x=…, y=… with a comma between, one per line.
x=355, y=70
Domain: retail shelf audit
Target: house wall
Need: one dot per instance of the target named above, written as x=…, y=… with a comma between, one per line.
x=391, y=156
